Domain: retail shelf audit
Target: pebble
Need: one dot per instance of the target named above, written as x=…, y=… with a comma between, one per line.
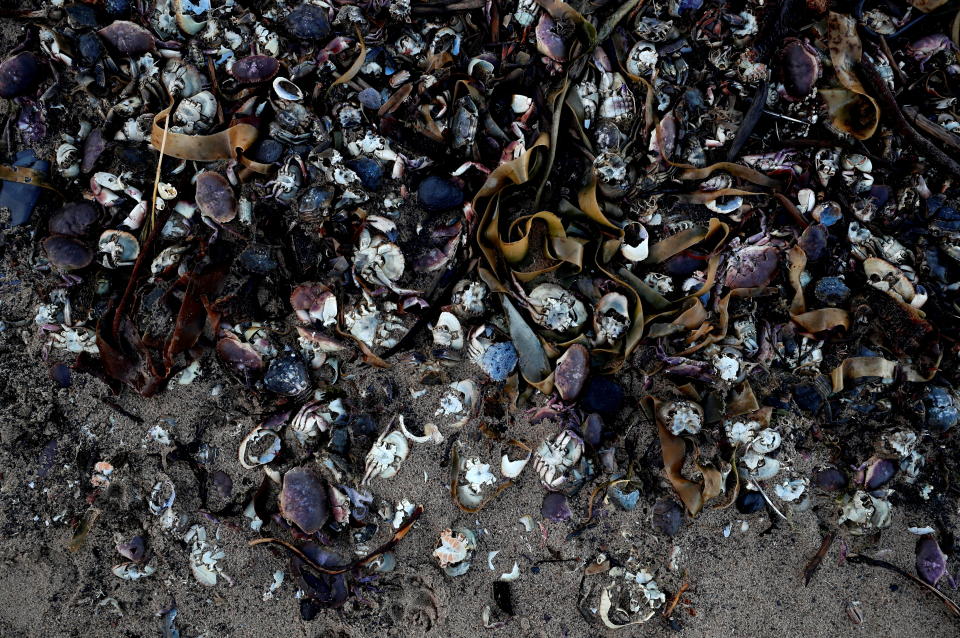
x=832, y=291
x=437, y=194
x=369, y=171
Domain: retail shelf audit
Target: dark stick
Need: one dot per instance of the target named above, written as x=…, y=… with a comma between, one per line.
x=889, y=105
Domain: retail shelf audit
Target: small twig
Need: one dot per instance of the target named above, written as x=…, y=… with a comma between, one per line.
x=676, y=599
x=811, y=569
x=873, y=562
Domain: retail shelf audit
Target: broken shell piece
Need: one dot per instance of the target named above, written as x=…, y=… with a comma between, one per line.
x=132, y=571
x=447, y=332
x=204, y=556
x=259, y=447
x=454, y=550
x=386, y=455
x=611, y=318
x=630, y=599
x=476, y=475
x=759, y=467
x=431, y=434
x=287, y=90
x=512, y=575
x=682, y=417
x=791, y=490
x=555, y=308
x=314, y=304
x=119, y=248
x=512, y=469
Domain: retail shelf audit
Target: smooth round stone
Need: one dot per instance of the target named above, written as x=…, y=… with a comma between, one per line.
x=437, y=194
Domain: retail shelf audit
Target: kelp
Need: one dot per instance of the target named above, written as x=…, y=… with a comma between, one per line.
x=693, y=494
x=222, y=145
x=852, y=110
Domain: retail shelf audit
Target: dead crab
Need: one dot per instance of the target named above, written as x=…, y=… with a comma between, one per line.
x=386, y=455
x=555, y=459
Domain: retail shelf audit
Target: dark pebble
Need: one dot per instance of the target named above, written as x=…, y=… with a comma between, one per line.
x=831, y=291
x=370, y=98
x=258, y=259
x=437, y=194
x=750, y=502
x=267, y=151
x=813, y=241
x=808, y=397
x=667, y=517
x=603, y=395
x=830, y=479
x=308, y=22
x=286, y=375
x=369, y=171
x=61, y=374
x=81, y=16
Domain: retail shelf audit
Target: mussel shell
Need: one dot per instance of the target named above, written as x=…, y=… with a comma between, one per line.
x=19, y=75
x=73, y=220
x=128, y=38
x=67, y=253
x=215, y=197
x=255, y=68
x=303, y=499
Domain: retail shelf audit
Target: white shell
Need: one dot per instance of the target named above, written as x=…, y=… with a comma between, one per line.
x=287, y=90
x=250, y=461
x=512, y=469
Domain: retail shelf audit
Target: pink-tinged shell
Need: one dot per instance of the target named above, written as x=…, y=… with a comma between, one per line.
x=19, y=75
x=313, y=302
x=303, y=499
x=931, y=561
x=128, y=38
x=215, y=197
x=452, y=550
x=255, y=68
x=240, y=357
x=752, y=267
x=572, y=370
x=67, y=253
x=549, y=42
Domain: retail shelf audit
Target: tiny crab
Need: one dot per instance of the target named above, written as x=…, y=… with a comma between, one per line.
x=286, y=184
x=554, y=459
x=74, y=339
x=386, y=455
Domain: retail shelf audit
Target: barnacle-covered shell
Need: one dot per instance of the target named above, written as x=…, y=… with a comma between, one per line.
x=386, y=455
x=681, y=417
x=447, y=332
x=119, y=248
x=611, y=318
x=469, y=298
x=555, y=308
